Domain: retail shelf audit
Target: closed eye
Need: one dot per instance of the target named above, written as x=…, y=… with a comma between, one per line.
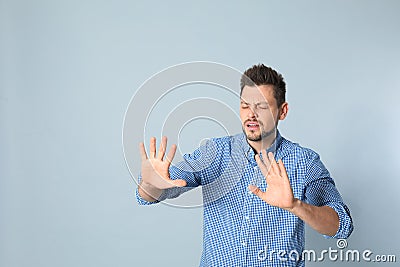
x=263, y=106
x=244, y=105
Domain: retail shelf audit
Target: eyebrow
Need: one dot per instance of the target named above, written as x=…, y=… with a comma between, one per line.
x=258, y=103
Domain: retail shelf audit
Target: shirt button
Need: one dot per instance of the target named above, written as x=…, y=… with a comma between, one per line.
x=244, y=244
x=247, y=217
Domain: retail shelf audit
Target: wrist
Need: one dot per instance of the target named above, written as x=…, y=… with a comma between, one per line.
x=297, y=203
x=149, y=192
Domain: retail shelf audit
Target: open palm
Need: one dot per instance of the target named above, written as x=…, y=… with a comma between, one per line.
x=155, y=167
x=279, y=193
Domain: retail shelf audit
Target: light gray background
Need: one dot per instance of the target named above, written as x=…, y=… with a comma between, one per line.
x=69, y=68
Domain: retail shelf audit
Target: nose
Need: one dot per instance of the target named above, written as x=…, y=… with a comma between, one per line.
x=251, y=113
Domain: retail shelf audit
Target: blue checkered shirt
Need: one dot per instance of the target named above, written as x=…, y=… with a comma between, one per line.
x=239, y=228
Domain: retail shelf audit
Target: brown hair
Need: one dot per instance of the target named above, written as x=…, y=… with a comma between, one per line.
x=263, y=75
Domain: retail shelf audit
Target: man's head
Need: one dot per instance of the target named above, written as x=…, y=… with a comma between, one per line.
x=262, y=103
x=263, y=75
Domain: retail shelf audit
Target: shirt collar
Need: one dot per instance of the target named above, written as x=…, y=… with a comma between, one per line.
x=248, y=150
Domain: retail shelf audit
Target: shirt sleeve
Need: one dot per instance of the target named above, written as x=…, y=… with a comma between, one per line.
x=142, y=201
x=139, y=199
x=321, y=191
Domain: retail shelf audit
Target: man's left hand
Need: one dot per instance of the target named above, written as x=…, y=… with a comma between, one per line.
x=279, y=193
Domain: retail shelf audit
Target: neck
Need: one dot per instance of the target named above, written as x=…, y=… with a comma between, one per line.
x=263, y=144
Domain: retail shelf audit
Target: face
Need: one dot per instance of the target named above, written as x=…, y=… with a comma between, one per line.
x=259, y=112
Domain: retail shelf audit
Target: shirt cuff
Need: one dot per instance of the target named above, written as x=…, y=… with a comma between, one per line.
x=345, y=221
x=142, y=201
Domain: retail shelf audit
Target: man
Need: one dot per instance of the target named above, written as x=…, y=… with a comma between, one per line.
x=250, y=223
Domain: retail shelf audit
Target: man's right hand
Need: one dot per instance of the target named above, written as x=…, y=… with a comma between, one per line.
x=155, y=170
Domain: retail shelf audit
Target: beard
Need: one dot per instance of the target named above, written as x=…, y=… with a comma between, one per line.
x=258, y=136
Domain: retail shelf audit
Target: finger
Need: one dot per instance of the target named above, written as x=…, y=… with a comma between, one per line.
x=171, y=153
x=152, y=153
x=267, y=161
x=274, y=166
x=261, y=165
x=256, y=191
x=282, y=168
x=142, y=150
x=163, y=147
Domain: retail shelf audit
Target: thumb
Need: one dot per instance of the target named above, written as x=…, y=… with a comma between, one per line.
x=256, y=191
x=178, y=183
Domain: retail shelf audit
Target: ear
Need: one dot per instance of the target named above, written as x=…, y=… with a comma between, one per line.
x=283, y=110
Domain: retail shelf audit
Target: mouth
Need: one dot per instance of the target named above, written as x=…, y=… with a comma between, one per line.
x=252, y=125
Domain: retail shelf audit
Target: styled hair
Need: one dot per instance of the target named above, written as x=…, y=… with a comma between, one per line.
x=263, y=75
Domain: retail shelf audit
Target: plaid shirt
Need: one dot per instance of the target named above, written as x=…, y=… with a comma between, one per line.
x=239, y=228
